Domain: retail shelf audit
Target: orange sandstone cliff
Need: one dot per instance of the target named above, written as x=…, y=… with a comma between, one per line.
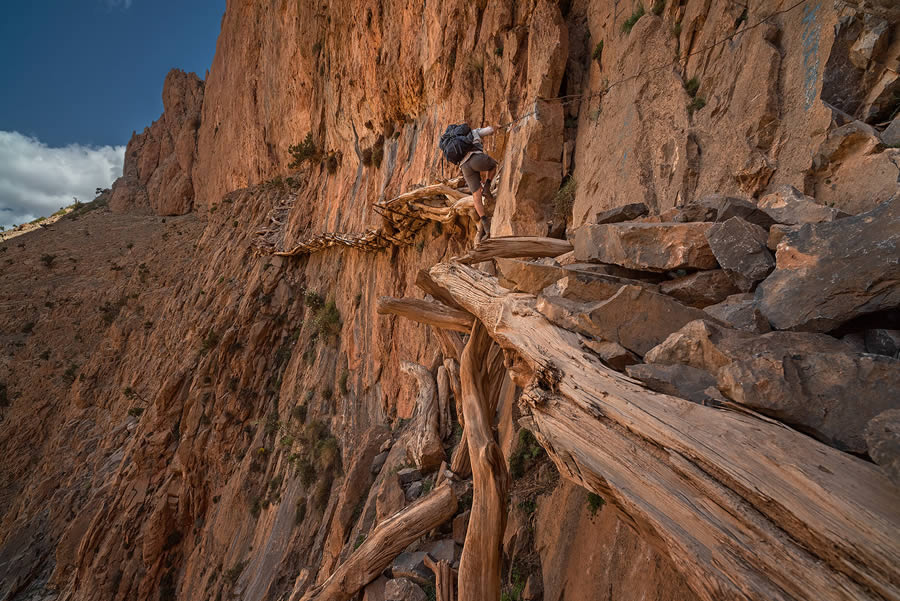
x=184, y=418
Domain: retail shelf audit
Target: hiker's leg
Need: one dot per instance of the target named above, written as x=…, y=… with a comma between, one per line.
x=473, y=181
x=479, y=206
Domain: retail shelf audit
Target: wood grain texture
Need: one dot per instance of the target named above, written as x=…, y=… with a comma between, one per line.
x=386, y=542
x=429, y=312
x=512, y=247
x=479, y=567
x=745, y=508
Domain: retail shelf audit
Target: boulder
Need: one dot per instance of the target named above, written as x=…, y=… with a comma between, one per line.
x=623, y=213
x=789, y=206
x=390, y=498
x=645, y=246
x=852, y=171
x=700, y=289
x=441, y=550
x=678, y=380
x=829, y=273
x=634, y=317
x=746, y=210
x=411, y=565
x=414, y=491
x=883, y=342
x=891, y=135
x=586, y=287
x=374, y=591
x=378, y=462
x=528, y=276
x=612, y=353
x=401, y=589
x=707, y=345
x=408, y=474
x=460, y=525
x=740, y=248
x=831, y=396
x=777, y=233
x=812, y=382
x=740, y=311
x=883, y=441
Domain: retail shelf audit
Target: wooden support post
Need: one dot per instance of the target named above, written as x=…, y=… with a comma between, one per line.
x=444, y=578
x=479, y=568
x=386, y=542
x=747, y=510
x=430, y=312
x=425, y=448
x=516, y=246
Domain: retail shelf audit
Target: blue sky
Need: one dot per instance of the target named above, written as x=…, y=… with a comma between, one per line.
x=79, y=77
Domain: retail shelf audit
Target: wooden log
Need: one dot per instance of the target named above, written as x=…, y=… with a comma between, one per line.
x=451, y=343
x=479, y=567
x=387, y=541
x=745, y=508
x=515, y=246
x=424, y=448
x=428, y=286
x=444, y=578
x=430, y=312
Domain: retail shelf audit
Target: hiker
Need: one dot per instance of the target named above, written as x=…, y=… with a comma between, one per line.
x=462, y=146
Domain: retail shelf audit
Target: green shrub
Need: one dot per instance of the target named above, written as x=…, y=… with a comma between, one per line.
x=328, y=319
x=658, y=7
x=299, y=413
x=28, y=327
x=209, y=341
x=695, y=105
x=598, y=51
x=136, y=411
x=232, y=574
x=564, y=200
x=691, y=86
x=342, y=382
x=47, y=260
x=302, y=152
x=313, y=299
x=526, y=454
x=595, y=502
x=634, y=18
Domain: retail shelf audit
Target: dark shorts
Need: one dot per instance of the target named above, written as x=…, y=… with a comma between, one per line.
x=478, y=163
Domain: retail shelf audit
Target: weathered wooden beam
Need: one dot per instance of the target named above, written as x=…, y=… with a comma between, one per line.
x=479, y=566
x=444, y=579
x=424, y=448
x=430, y=312
x=515, y=247
x=746, y=509
x=386, y=542
x=428, y=286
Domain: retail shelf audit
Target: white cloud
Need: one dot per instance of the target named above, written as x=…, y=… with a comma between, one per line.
x=36, y=180
x=123, y=4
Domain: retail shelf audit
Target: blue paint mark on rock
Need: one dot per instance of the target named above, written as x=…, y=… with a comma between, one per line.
x=811, y=30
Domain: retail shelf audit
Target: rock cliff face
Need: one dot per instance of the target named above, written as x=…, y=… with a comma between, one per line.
x=159, y=161
x=185, y=419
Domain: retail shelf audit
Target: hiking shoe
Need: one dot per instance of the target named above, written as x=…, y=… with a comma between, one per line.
x=485, y=228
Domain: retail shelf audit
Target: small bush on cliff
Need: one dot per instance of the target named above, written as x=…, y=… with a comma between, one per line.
x=47, y=260
x=634, y=18
x=302, y=152
x=695, y=105
x=595, y=502
x=527, y=452
x=564, y=200
x=4, y=396
x=328, y=320
x=598, y=51
x=691, y=86
x=658, y=7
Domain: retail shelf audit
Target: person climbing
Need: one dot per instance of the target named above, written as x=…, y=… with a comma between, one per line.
x=462, y=146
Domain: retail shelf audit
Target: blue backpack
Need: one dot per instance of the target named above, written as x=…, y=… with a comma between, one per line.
x=456, y=142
